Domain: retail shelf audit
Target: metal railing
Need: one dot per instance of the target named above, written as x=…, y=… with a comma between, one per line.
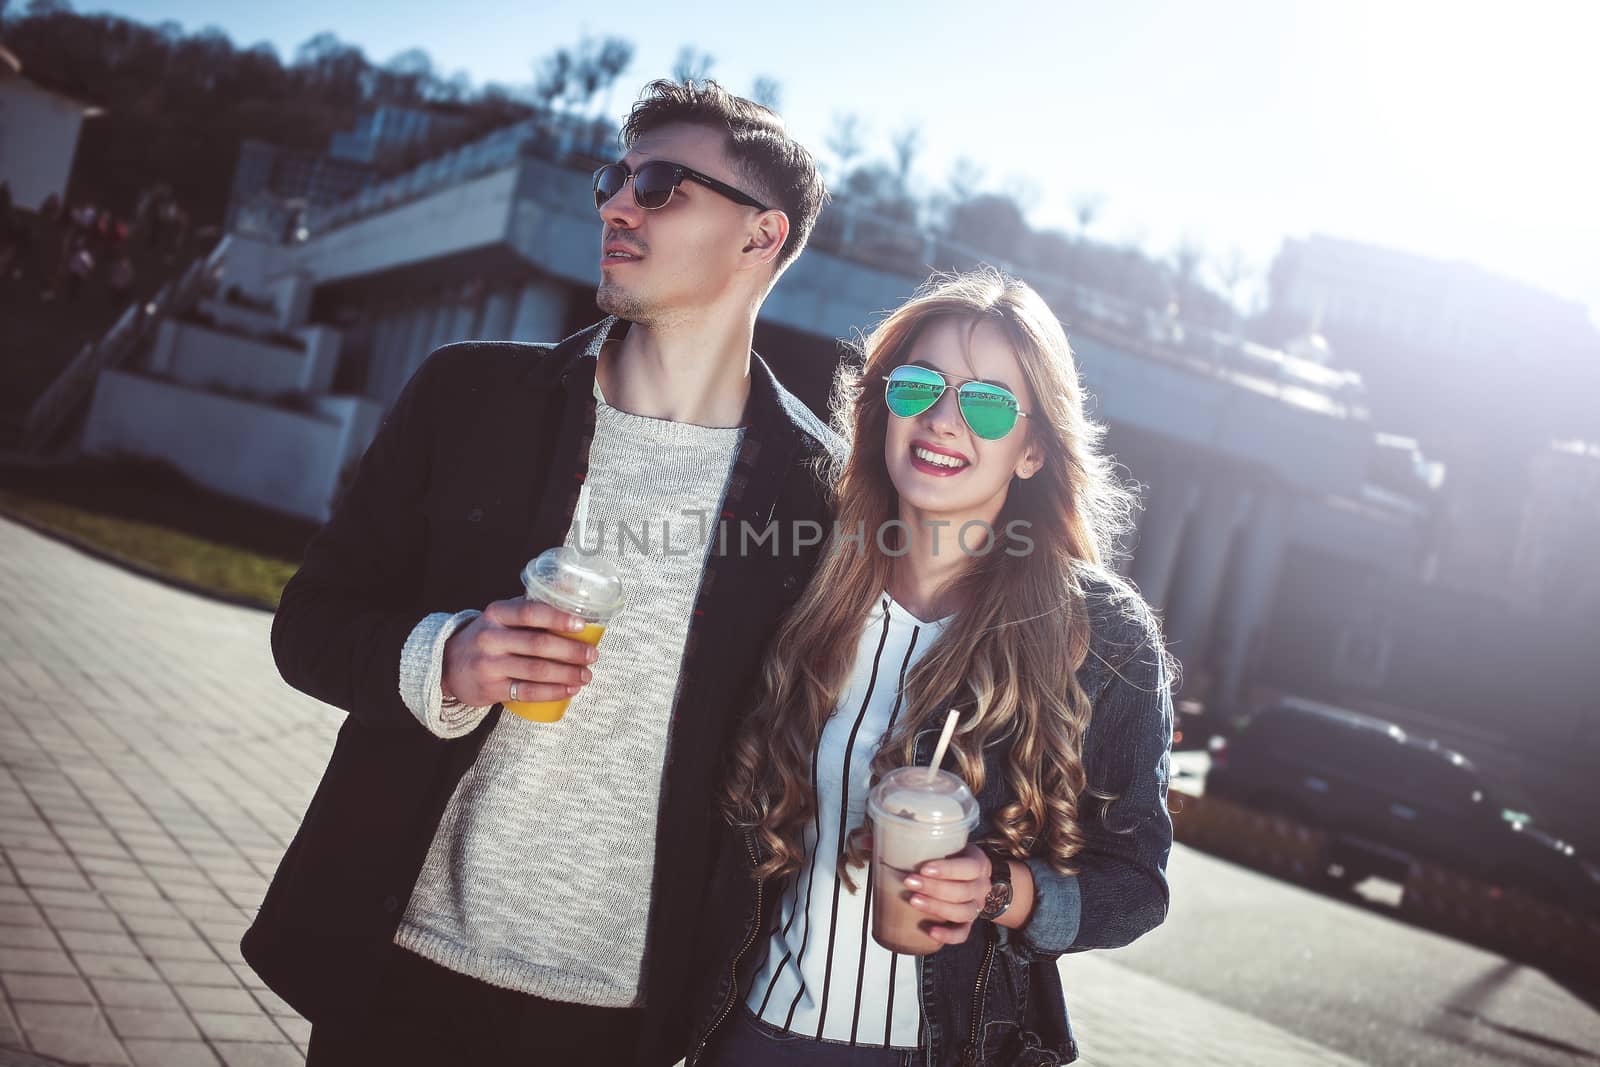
x=547, y=137
x=71, y=388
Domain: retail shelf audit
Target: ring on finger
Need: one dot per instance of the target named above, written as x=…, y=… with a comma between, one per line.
x=513, y=691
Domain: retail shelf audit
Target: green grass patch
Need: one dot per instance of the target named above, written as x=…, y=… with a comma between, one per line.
x=230, y=571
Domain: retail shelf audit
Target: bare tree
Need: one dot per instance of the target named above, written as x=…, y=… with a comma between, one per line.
x=1087, y=208
x=613, y=59
x=596, y=64
x=1021, y=188
x=1187, y=258
x=408, y=78
x=1233, y=271
x=989, y=222
x=906, y=144
x=768, y=92
x=337, y=70
x=553, y=76
x=846, y=139
x=966, y=174
x=692, y=64
x=457, y=88
x=585, y=80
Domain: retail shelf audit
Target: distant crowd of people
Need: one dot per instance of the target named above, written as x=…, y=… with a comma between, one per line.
x=64, y=251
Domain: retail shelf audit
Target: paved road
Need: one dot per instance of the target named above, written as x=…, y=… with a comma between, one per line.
x=1355, y=979
x=153, y=768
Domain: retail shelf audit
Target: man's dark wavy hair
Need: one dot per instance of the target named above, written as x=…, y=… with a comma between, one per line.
x=758, y=146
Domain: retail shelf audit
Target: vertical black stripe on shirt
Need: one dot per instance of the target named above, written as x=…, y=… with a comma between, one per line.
x=844, y=815
x=866, y=917
x=861, y=968
x=782, y=926
x=888, y=1019
x=777, y=972
x=811, y=878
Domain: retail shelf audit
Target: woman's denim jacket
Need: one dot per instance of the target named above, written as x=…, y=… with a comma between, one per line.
x=997, y=998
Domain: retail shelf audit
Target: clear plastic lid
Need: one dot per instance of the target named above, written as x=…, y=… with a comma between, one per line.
x=922, y=795
x=582, y=583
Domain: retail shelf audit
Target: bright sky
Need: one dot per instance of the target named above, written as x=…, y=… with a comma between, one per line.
x=1457, y=129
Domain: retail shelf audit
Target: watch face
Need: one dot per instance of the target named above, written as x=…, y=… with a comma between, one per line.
x=998, y=900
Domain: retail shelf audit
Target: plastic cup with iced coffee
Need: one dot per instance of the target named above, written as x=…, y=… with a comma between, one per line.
x=918, y=814
x=580, y=584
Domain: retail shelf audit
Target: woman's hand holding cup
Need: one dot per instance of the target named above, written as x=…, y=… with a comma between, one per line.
x=952, y=891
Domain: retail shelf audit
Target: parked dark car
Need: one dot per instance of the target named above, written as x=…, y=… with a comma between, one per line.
x=1387, y=797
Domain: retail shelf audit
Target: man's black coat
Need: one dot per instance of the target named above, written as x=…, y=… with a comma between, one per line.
x=475, y=471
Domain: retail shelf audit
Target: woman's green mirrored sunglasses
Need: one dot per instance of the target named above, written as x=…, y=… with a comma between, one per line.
x=990, y=411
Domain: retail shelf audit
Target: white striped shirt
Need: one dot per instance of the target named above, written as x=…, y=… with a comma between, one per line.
x=824, y=976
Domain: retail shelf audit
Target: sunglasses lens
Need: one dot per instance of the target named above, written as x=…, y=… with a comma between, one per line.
x=653, y=184
x=990, y=412
x=608, y=182
x=912, y=390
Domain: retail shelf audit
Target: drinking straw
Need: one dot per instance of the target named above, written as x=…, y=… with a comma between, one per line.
x=944, y=740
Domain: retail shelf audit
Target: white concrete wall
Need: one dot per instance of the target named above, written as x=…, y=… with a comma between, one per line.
x=243, y=318
x=832, y=297
x=1306, y=448
x=541, y=311
x=1344, y=528
x=285, y=460
x=205, y=358
x=360, y=418
x=291, y=295
x=38, y=139
x=163, y=350
x=388, y=333
x=452, y=220
x=322, y=356
x=253, y=264
x=497, y=309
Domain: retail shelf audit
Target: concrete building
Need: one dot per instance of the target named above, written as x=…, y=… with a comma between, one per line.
x=385, y=130
x=274, y=188
x=1483, y=370
x=1356, y=292
x=236, y=392
x=1245, y=451
x=1554, y=568
x=38, y=135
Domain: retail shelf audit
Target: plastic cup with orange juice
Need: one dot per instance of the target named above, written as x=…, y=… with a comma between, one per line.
x=579, y=584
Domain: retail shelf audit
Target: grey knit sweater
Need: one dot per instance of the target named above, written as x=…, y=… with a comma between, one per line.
x=539, y=877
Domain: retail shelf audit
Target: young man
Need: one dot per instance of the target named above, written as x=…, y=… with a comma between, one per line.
x=471, y=887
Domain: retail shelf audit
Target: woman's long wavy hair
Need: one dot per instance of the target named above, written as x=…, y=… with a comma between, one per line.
x=1009, y=658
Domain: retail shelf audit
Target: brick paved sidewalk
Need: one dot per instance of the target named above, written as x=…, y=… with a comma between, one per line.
x=152, y=770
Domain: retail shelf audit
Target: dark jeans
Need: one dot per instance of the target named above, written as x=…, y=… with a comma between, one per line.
x=745, y=1041
x=426, y=1015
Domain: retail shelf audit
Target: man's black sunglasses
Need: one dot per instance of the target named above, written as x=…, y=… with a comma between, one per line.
x=655, y=182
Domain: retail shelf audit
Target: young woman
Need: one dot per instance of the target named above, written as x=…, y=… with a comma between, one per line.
x=964, y=571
